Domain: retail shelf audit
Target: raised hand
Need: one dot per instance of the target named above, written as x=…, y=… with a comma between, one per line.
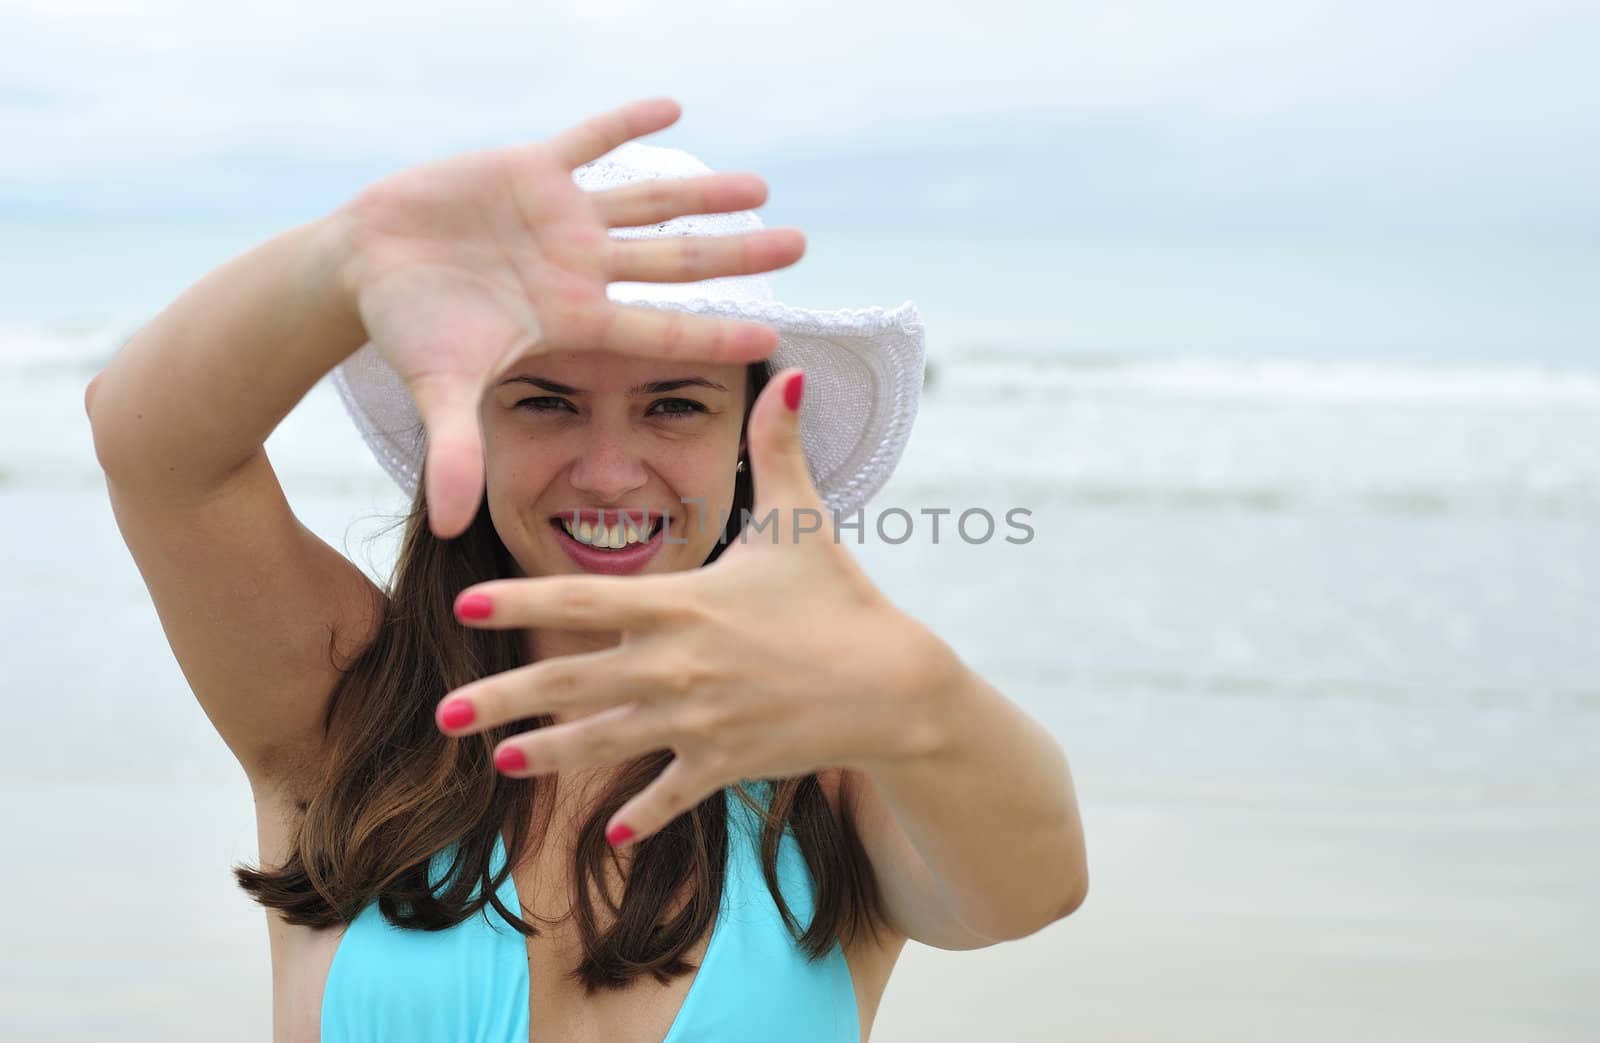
x=461, y=267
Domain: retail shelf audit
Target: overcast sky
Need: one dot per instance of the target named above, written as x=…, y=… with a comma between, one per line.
x=1120, y=117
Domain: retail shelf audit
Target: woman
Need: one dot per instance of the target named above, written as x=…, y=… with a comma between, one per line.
x=699, y=780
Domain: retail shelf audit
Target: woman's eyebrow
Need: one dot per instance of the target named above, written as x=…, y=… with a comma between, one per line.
x=653, y=388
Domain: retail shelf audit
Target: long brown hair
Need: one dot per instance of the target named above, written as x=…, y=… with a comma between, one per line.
x=393, y=791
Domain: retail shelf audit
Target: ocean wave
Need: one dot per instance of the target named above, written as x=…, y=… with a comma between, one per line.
x=84, y=347
x=1418, y=502
x=39, y=348
x=1007, y=373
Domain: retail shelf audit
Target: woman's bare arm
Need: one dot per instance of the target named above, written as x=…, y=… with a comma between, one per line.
x=252, y=602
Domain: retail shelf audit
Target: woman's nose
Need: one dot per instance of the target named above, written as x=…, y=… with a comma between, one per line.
x=608, y=469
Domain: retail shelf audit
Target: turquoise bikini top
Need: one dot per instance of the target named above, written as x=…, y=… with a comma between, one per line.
x=469, y=983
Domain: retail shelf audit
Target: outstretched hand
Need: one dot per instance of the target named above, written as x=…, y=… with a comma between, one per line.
x=464, y=266
x=778, y=659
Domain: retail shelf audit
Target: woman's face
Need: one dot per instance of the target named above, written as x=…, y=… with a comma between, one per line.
x=611, y=437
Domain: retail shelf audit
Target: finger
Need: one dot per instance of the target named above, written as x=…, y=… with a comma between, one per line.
x=691, y=258
x=779, y=467
x=567, y=686
x=453, y=466
x=610, y=736
x=596, y=136
x=662, y=199
x=642, y=331
x=677, y=790
x=634, y=603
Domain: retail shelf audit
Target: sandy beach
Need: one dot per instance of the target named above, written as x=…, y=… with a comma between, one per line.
x=1208, y=920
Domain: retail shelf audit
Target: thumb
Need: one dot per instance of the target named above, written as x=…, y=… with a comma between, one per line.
x=778, y=465
x=453, y=469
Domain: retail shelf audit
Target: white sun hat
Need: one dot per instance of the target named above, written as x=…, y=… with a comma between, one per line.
x=863, y=366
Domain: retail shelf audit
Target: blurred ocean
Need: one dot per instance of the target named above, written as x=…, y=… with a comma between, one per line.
x=1417, y=302
x=1316, y=554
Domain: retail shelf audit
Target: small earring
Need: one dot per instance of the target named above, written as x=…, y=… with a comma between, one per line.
x=740, y=468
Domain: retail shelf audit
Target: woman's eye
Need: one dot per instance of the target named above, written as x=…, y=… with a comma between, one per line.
x=542, y=401
x=551, y=404
x=688, y=405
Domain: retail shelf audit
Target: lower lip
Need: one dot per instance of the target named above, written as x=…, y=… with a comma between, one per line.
x=631, y=558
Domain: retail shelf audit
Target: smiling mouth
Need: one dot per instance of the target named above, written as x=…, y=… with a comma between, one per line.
x=616, y=536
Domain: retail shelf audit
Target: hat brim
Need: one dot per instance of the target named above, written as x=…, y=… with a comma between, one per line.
x=864, y=372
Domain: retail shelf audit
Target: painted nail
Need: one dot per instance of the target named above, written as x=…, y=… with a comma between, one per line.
x=456, y=713
x=510, y=759
x=793, y=390
x=618, y=835
x=474, y=606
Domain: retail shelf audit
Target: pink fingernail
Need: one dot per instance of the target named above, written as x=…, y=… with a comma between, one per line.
x=510, y=759
x=456, y=713
x=474, y=606
x=795, y=388
x=619, y=834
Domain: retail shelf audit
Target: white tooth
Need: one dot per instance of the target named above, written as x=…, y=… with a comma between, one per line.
x=621, y=532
